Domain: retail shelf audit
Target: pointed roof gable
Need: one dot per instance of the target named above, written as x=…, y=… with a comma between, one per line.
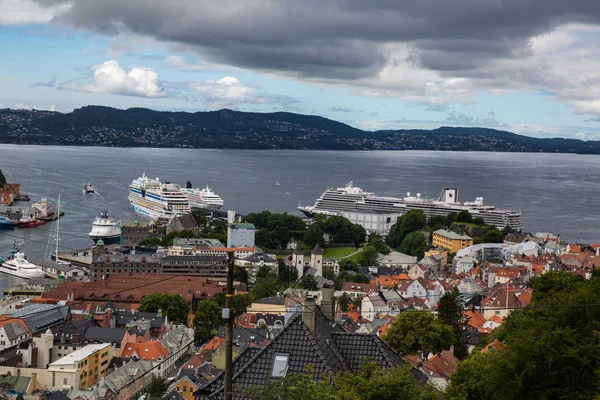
x=317, y=250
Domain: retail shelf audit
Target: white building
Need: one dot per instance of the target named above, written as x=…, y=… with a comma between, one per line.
x=379, y=223
x=12, y=334
x=396, y=259
x=240, y=235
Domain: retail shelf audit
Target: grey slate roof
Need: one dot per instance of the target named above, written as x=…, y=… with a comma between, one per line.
x=317, y=250
x=14, y=330
x=187, y=222
x=57, y=396
x=104, y=335
x=40, y=317
x=332, y=350
x=125, y=317
x=275, y=300
x=256, y=257
x=73, y=328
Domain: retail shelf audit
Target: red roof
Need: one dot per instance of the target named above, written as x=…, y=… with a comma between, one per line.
x=145, y=351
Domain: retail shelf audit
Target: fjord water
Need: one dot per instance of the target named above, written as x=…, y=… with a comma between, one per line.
x=555, y=192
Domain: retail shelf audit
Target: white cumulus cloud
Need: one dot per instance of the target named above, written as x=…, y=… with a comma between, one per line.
x=110, y=78
x=226, y=90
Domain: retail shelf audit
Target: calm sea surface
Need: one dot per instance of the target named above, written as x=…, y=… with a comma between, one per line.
x=555, y=192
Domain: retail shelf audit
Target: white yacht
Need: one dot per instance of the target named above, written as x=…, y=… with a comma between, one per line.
x=156, y=200
x=19, y=266
x=202, y=198
x=106, y=228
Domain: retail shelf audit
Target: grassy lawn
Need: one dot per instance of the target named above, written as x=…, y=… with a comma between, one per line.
x=472, y=225
x=337, y=252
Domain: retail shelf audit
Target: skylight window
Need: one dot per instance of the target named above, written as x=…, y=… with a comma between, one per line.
x=280, y=366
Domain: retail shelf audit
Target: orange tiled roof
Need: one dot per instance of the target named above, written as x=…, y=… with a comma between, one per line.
x=213, y=344
x=474, y=319
x=496, y=318
x=146, y=351
x=193, y=362
x=496, y=346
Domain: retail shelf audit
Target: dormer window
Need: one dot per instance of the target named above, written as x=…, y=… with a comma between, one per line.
x=280, y=365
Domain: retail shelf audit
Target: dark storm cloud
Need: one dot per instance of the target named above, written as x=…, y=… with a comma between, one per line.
x=336, y=39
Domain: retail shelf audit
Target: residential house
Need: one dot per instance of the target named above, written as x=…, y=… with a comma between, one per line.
x=440, y=253
x=416, y=288
x=13, y=332
x=505, y=299
x=311, y=339
x=418, y=271
x=355, y=290
x=438, y=368
x=274, y=304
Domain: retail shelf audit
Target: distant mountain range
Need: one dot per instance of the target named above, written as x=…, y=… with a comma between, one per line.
x=227, y=129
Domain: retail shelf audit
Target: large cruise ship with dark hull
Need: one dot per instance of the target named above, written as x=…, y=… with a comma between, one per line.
x=352, y=199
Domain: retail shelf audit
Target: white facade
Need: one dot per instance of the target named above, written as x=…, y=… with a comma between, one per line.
x=240, y=235
x=372, y=222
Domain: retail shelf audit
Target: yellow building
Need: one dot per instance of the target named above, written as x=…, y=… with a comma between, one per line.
x=185, y=387
x=82, y=368
x=438, y=252
x=450, y=240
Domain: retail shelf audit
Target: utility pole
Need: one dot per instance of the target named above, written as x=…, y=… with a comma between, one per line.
x=228, y=315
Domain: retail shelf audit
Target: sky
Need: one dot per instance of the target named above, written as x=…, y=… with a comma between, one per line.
x=527, y=66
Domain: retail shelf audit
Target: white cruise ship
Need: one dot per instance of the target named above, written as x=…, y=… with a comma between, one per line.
x=105, y=228
x=352, y=199
x=156, y=200
x=202, y=198
x=19, y=266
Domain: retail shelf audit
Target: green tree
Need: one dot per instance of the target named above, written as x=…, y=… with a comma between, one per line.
x=507, y=229
x=479, y=221
x=206, y=321
x=492, y=235
x=370, y=383
x=379, y=244
x=281, y=236
x=2, y=180
x=347, y=265
x=308, y=282
x=415, y=331
x=473, y=379
x=414, y=244
x=286, y=273
x=368, y=256
x=157, y=387
x=344, y=300
x=200, y=218
x=358, y=235
x=328, y=273
x=552, y=347
x=264, y=238
x=412, y=221
x=172, y=305
x=464, y=216
x=450, y=312
x=240, y=274
x=150, y=242
x=314, y=235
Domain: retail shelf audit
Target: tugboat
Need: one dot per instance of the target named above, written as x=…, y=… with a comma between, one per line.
x=89, y=188
x=6, y=223
x=29, y=222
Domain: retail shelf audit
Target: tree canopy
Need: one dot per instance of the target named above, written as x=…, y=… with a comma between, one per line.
x=314, y=235
x=450, y=312
x=157, y=387
x=172, y=305
x=371, y=383
x=412, y=221
x=552, y=347
x=206, y=321
x=2, y=179
x=414, y=244
x=415, y=331
x=368, y=256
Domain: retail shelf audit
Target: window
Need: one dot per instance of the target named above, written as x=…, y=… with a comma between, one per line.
x=185, y=389
x=65, y=381
x=280, y=365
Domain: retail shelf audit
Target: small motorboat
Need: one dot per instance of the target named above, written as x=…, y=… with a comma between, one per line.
x=28, y=222
x=89, y=188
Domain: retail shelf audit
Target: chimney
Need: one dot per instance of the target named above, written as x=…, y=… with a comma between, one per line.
x=327, y=301
x=452, y=349
x=309, y=315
